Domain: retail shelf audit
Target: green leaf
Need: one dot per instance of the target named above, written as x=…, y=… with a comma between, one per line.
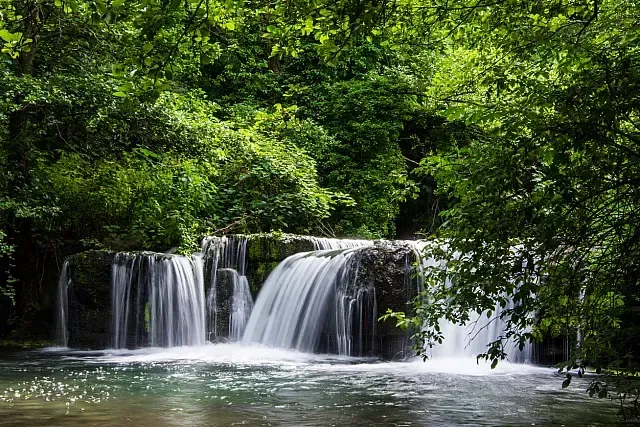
x=308, y=25
x=10, y=37
x=117, y=70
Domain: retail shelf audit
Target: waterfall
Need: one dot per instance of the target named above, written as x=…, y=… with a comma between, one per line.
x=228, y=253
x=325, y=300
x=62, y=336
x=168, y=307
x=241, y=306
x=211, y=248
x=176, y=302
x=313, y=295
x=121, y=274
x=471, y=339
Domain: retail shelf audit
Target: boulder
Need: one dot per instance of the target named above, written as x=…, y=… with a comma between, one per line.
x=89, y=310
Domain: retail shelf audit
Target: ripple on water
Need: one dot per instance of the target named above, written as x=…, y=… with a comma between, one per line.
x=227, y=384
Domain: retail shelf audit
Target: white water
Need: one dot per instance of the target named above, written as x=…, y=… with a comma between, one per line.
x=260, y=355
x=310, y=300
x=121, y=275
x=306, y=295
x=241, y=307
x=229, y=253
x=176, y=302
x=173, y=310
x=324, y=243
x=62, y=336
x=471, y=339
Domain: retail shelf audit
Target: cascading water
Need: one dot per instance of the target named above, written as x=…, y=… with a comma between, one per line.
x=471, y=339
x=62, y=336
x=324, y=300
x=176, y=302
x=309, y=295
x=168, y=308
x=241, y=307
x=121, y=274
x=324, y=243
x=228, y=253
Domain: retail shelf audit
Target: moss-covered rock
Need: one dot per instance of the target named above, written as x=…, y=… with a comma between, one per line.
x=274, y=247
x=89, y=313
x=224, y=287
x=257, y=273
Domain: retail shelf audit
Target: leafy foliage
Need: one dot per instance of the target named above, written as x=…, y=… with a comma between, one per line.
x=513, y=126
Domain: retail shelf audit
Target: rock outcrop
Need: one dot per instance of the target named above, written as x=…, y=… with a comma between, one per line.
x=383, y=269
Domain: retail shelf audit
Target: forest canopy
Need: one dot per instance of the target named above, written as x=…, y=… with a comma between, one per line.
x=508, y=129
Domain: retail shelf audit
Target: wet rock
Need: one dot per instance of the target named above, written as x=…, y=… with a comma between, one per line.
x=225, y=280
x=386, y=267
x=89, y=312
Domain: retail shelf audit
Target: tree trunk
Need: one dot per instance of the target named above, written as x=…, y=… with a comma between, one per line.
x=20, y=149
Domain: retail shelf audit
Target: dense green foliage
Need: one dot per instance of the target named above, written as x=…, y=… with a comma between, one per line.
x=147, y=124
x=508, y=129
x=545, y=200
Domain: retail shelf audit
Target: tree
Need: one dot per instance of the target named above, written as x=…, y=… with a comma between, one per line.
x=545, y=200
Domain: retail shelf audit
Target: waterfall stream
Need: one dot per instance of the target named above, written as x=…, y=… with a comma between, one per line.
x=309, y=295
x=471, y=339
x=157, y=300
x=62, y=335
x=227, y=253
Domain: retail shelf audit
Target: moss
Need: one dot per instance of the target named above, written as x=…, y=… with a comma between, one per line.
x=270, y=247
x=257, y=273
x=89, y=316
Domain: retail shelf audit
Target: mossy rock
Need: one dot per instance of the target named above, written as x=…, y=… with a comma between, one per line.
x=89, y=315
x=385, y=267
x=271, y=247
x=257, y=273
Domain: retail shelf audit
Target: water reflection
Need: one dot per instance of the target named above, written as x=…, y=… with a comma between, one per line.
x=228, y=384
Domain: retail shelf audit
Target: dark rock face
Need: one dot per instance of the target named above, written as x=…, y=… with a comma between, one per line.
x=224, y=285
x=89, y=313
x=386, y=267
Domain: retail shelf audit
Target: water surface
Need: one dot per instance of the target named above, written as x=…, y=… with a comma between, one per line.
x=228, y=384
